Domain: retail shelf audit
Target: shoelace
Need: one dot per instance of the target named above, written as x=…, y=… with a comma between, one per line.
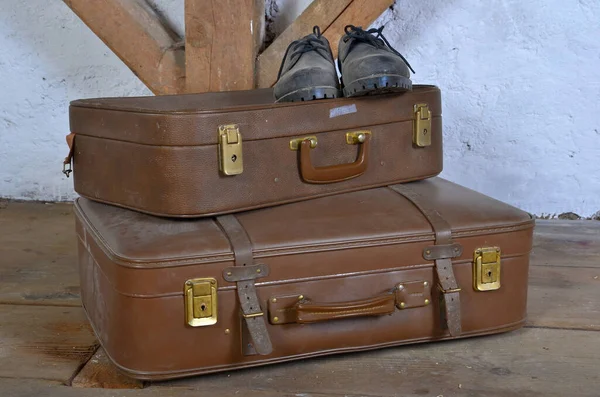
x=378, y=41
x=303, y=45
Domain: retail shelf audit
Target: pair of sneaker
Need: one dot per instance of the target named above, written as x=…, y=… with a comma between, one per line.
x=367, y=63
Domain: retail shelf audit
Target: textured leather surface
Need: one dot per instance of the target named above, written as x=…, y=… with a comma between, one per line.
x=309, y=69
x=341, y=248
x=161, y=158
x=360, y=60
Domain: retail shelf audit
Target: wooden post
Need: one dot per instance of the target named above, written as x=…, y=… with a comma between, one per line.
x=222, y=41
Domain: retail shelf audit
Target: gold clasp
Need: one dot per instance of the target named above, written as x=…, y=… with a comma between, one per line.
x=295, y=143
x=200, y=296
x=486, y=269
x=356, y=137
x=231, y=161
x=422, y=125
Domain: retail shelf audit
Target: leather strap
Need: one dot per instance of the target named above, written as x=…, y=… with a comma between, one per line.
x=246, y=290
x=445, y=273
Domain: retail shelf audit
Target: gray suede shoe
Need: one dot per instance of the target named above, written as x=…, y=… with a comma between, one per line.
x=369, y=65
x=307, y=71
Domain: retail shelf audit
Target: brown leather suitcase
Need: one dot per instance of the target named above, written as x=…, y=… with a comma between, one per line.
x=205, y=154
x=417, y=262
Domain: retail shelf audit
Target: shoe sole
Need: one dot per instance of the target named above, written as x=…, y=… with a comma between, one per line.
x=378, y=84
x=311, y=94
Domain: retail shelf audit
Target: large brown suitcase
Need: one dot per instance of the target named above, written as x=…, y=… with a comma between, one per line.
x=417, y=262
x=205, y=154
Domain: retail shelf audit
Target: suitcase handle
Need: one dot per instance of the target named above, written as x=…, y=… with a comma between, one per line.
x=298, y=309
x=333, y=173
x=315, y=312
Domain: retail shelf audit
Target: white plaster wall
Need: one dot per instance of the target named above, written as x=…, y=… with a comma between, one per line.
x=520, y=83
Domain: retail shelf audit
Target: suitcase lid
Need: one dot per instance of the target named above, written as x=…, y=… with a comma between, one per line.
x=194, y=119
x=366, y=218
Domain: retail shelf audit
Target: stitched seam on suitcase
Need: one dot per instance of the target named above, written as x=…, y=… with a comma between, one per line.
x=159, y=375
x=269, y=283
x=127, y=262
x=215, y=143
x=346, y=311
x=261, y=205
x=231, y=109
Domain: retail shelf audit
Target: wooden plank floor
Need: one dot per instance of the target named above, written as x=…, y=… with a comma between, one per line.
x=45, y=340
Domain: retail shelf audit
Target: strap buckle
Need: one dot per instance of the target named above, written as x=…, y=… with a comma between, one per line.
x=449, y=290
x=252, y=315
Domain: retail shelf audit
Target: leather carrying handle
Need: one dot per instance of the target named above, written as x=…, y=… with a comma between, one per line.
x=316, y=312
x=332, y=173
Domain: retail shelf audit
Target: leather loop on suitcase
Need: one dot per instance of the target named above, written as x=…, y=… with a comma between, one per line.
x=67, y=167
x=443, y=236
x=251, y=310
x=314, y=312
x=333, y=173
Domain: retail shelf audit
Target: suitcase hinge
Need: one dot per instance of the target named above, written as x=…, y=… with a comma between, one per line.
x=200, y=302
x=486, y=269
x=231, y=161
x=422, y=125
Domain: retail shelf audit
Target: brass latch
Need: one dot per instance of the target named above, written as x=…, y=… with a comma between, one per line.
x=231, y=161
x=356, y=137
x=295, y=143
x=200, y=302
x=422, y=125
x=486, y=269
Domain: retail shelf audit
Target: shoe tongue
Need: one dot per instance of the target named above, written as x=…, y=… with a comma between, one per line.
x=314, y=36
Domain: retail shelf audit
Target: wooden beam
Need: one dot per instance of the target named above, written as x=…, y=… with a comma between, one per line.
x=320, y=12
x=222, y=39
x=360, y=13
x=137, y=35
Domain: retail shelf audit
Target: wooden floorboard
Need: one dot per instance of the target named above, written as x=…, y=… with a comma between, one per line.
x=45, y=338
x=566, y=243
x=564, y=297
x=528, y=362
x=99, y=372
x=38, y=258
x=44, y=342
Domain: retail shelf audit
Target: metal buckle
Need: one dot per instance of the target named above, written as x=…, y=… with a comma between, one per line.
x=448, y=291
x=252, y=315
x=67, y=169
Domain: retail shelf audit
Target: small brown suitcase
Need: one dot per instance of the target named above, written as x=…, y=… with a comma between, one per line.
x=417, y=262
x=205, y=154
